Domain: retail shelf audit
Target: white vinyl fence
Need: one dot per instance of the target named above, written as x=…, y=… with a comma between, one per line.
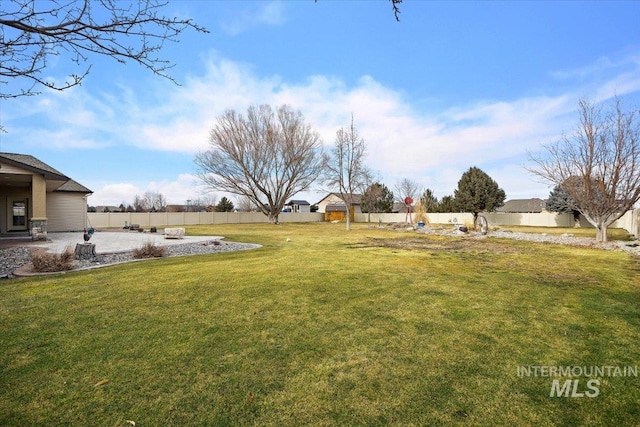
x=630, y=221
x=164, y=219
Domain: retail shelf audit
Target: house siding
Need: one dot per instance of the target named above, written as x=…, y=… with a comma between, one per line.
x=303, y=208
x=66, y=211
x=332, y=199
x=7, y=168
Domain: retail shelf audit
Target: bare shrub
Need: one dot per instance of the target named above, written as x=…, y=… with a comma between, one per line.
x=45, y=262
x=469, y=225
x=420, y=214
x=149, y=250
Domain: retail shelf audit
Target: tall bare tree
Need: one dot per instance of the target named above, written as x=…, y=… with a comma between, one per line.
x=244, y=204
x=346, y=172
x=598, y=166
x=266, y=156
x=150, y=201
x=407, y=188
x=155, y=201
x=203, y=203
x=33, y=32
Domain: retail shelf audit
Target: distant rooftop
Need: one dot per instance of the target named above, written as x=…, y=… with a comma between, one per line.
x=534, y=205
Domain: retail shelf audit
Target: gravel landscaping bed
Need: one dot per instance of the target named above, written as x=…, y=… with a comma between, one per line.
x=19, y=257
x=632, y=247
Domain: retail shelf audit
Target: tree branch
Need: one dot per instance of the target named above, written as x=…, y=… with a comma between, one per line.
x=131, y=30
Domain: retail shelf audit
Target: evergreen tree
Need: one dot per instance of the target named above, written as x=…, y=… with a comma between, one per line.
x=446, y=205
x=429, y=201
x=478, y=192
x=377, y=198
x=561, y=202
x=224, y=205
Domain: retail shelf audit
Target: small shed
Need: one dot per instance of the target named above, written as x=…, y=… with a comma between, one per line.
x=338, y=213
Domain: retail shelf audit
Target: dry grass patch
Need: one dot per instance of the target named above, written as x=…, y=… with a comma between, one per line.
x=437, y=243
x=149, y=250
x=45, y=262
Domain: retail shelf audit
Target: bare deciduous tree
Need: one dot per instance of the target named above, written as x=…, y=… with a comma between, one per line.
x=33, y=32
x=244, y=204
x=395, y=4
x=206, y=202
x=598, y=166
x=266, y=156
x=155, y=201
x=150, y=201
x=407, y=188
x=346, y=172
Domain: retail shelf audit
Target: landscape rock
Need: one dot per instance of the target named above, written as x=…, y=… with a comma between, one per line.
x=16, y=261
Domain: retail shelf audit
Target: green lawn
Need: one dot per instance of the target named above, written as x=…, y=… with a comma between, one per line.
x=332, y=328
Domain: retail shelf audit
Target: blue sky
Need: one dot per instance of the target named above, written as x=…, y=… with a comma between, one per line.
x=450, y=86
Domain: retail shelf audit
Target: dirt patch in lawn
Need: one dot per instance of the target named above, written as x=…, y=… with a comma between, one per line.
x=438, y=244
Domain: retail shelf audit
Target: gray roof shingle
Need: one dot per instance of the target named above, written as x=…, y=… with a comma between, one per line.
x=72, y=186
x=28, y=162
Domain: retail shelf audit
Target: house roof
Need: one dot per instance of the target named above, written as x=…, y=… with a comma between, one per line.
x=299, y=203
x=534, y=205
x=399, y=207
x=357, y=198
x=30, y=163
x=335, y=208
x=72, y=186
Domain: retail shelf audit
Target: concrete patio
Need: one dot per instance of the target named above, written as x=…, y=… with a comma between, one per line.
x=105, y=241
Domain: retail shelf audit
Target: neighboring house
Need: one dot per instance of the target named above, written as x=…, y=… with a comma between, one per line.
x=333, y=202
x=534, y=205
x=177, y=208
x=33, y=194
x=101, y=209
x=334, y=208
x=297, y=206
x=400, y=207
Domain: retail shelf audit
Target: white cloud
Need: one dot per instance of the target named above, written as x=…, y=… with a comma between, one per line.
x=113, y=194
x=69, y=119
x=600, y=65
x=261, y=13
x=176, y=191
x=431, y=147
x=184, y=187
